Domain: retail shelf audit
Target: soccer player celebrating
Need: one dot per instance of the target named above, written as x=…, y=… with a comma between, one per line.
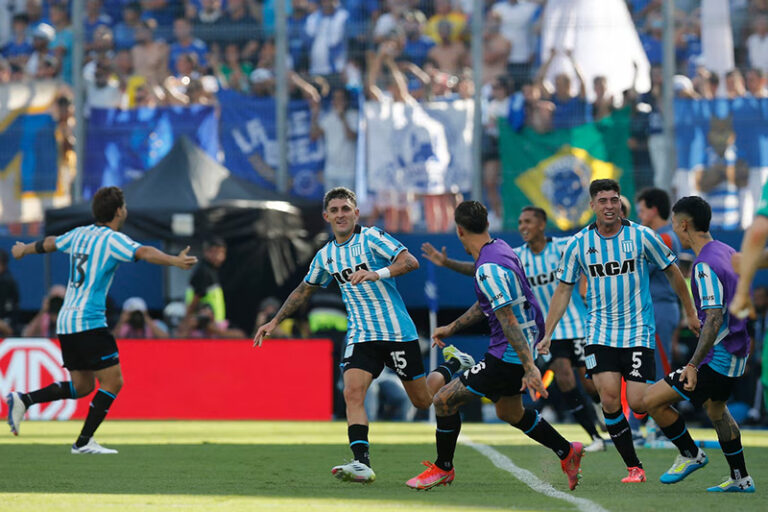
x=364, y=262
x=88, y=348
x=718, y=361
x=540, y=256
x=614, y=253
x=506, y=299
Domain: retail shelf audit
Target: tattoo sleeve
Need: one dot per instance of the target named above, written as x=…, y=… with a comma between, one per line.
x=515, y=335
x=462, y=267
x=708, y=335
x=404, y=263
x=295, y=300
x=471, y=316
x=726, y=427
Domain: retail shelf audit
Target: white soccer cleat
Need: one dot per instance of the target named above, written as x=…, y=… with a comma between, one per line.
x=597, y=445
x=16, y=410
x=93, y=448
x=745, y=484
x=354, y=472
x=465, y=360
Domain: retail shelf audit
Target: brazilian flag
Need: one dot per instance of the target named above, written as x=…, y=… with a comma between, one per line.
x=553, y=170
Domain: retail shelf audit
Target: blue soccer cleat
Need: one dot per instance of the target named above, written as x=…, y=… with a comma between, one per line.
x=745, y=484
x=683, y=467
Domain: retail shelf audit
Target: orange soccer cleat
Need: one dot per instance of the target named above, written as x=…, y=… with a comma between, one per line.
x=431, y=477
x=636, y=475
x=572, y=464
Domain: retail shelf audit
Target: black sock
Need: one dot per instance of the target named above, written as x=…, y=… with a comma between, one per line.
x=446, y=434
x=56, y=391
x=537, y=428
x=578, y=408
x=679, y=435
x=358, y=443
x=618, y=428
x=98, y=411
x=448, y=368
x=734, y=454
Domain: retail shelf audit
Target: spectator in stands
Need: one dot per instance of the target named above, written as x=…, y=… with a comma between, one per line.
x=103, y=90
x=604, y=103
x=262, y=82
x=201, y=323
x=41, y=40
x=19, y=48
x=297, y=38
x=417, y=45
x=5, y=71
x=688, y=43
x=756, y=83
x=268, y=308
x=125, y=31
x=204, y=285
x=163, y=12
x=240, y=27
x=757, y=44
x=705, y=83
x=338, y=128
x=9, y=297
x=123, y=67
x=63, y=44
x=233, y=73
x=186, y=43
x=325, y=32
x=135, y=321
x=517, y=26
x=444, y=12
x=451, y=55
x=734, y=84
x=102, y=48
x=392, y=19
x=35, y=14
x=498, y=107
x=496, y=49
x=43, y=324
x=207, y=21
x=150, y=57
x=94, y=17
x=569, y=110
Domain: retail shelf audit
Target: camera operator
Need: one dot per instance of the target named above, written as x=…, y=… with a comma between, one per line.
x=135, y=321
x=43, y=324
x=202, y=324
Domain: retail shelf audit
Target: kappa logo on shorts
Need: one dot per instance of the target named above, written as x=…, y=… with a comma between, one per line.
x=636, y=374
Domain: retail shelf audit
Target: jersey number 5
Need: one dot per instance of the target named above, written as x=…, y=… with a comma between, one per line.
x=77, y=271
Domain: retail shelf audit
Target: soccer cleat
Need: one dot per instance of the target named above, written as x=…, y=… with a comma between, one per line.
x=93, y=448
x=431, y=477
x=597, y=445
x=636, y=475
x=466, y=360
x=745, y=484
x=683, y=467
x=16, y=410
x=354, y=472
x=572, y=464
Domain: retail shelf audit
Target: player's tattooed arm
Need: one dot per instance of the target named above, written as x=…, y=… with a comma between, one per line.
x=708, y=335
x=404, y=263
x=515, y=335
x=726, y=427
x=295, y=300
x=470, y=317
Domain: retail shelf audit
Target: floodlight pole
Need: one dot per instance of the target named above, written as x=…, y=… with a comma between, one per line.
x=281, y=79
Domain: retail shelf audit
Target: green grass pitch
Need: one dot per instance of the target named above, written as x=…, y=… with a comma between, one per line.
x=285, y=466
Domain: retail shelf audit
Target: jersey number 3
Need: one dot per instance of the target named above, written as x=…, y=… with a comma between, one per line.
x=77, y=271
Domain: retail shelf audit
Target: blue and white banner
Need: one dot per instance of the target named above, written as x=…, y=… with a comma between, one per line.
x=249, y=140
x=419, y=148
x=722, y=155
x=123, y=144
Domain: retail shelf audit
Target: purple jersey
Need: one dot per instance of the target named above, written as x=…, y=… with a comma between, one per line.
x=713, y=285
x=500, y=281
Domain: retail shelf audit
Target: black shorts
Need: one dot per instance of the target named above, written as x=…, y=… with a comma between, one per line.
x=710, y=385
x=493, y=378
x=89, y=350
x=403, y=357
x=569, y=349
x=634, y=364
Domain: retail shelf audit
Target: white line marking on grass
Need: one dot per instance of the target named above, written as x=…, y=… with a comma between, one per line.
x=501, y=461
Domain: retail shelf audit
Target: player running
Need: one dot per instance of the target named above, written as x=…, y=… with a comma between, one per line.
x=88, y=348
x=364, y=262
x=614, y=253
x=506, y=300
x=718, y=361
x=540, y=256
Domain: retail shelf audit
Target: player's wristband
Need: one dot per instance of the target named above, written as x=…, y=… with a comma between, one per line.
x=40, y=247
x=384, y=273
x=693, y=366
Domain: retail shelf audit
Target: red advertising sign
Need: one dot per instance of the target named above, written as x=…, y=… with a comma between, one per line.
x=187, y=379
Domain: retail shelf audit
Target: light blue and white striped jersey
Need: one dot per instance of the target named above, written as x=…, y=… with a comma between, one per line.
x=94, y=254
x=541, y=270
x=618, y=297
x=712, y=296
x=375, y=310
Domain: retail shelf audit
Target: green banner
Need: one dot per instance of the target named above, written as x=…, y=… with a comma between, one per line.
x=553, y=170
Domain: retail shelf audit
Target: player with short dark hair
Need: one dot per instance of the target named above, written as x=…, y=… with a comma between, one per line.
x=718, y=361
x=88, y=348
x=364, y=262
x=613, y=253
x=506, y=300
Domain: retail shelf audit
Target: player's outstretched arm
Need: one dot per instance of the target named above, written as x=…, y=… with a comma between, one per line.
x=295, y=300
x=441, y=259
x=557, y=306
x=404, y=263
x=515, y=336
x=712, y=325
x=151, y=255
x=675, y=278
x=471, y=316
x=751, y=250
x=47, y=244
